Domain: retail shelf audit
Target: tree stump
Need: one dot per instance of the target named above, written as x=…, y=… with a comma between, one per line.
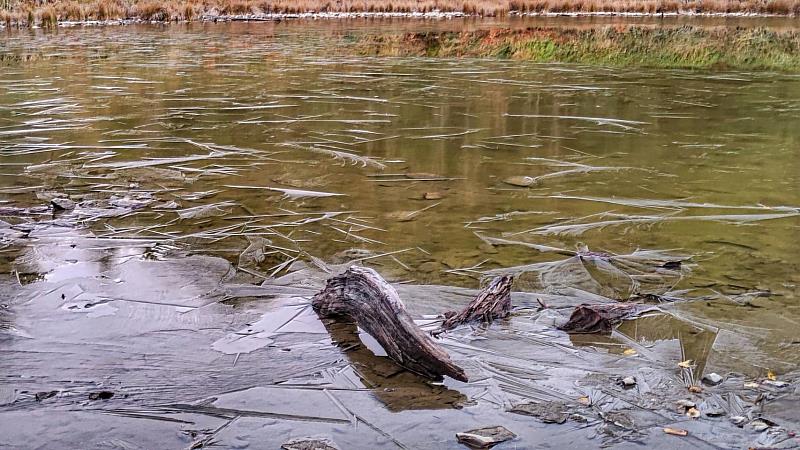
x=493, y=302
x=362, y=296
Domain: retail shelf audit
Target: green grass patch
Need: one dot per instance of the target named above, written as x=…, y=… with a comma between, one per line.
x=633, y=46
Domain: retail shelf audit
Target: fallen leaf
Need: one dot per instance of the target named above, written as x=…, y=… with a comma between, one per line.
x=629, y=352
x=685, y=364
x=693, y=413
x=485, y=437
x=695, y=389
x=585, y=400
x=306, y=443
x=676, y=431
x=771, y=375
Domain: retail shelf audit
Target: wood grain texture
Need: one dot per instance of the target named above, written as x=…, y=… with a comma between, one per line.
x=362, y=296
x=493, y=302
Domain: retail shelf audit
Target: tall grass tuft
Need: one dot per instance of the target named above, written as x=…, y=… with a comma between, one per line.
x=7, y=18
x=48, y=16
x=188, y=11
x=72, y=11
x=233, y=7
x=152, y=11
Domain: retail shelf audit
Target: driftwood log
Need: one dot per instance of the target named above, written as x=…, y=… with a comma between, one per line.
x=493, y=302
x=362, y=296
x=600, y=318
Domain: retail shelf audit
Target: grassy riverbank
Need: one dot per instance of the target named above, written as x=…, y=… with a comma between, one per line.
x=49, y=13
x=678, y=47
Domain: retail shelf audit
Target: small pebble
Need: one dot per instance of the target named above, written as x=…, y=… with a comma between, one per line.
x=101, y=395
x=485, y=437
x=579, y=418
x=712, y=379
x=432, y=196
x=521, y=181
x=62, y=204
x=759, y=425
x=739, y=421
x=629, y=381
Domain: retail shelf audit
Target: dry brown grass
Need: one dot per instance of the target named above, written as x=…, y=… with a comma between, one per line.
x=151, y=10
x=6, y=17
x=72, y=11
x=188, y=11
x=107, y=10
x=234, y=7
x=48, y=17
x=778, y=7
x=498, y=8
x=24, y=12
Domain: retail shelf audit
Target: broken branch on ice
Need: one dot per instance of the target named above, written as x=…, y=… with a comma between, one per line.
x=493, y=302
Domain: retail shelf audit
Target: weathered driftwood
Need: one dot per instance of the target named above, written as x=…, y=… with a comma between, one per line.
x=364, y=297
x=493, y=302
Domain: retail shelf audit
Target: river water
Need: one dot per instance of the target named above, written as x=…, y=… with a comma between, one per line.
x=209, y=139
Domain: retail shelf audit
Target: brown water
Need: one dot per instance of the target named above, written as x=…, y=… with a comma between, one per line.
x=266, y=131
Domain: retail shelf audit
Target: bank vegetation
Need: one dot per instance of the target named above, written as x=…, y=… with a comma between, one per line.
x=621, y=46
x=49, y=13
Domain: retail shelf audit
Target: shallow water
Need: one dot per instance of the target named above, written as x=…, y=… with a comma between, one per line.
x=208, y=138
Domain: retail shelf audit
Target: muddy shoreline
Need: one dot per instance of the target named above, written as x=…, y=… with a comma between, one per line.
x=651, y=43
